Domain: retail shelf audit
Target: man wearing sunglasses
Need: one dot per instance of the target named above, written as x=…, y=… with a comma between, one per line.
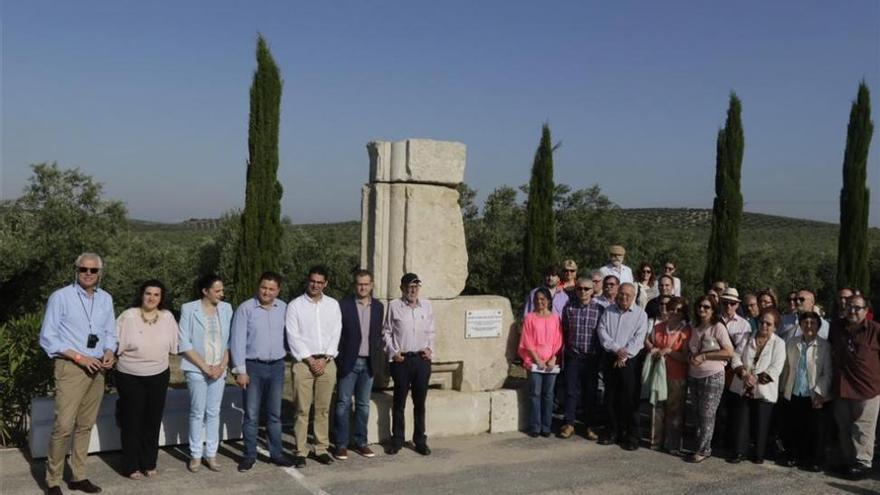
x=855, y=356
x=79, y=334
x=805, y=302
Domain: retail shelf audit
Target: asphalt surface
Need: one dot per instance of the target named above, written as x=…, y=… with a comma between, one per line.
x=484, y=464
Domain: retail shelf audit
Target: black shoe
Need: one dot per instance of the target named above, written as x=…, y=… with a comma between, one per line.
x=393, y=449
x=788, y=462
x=246, y=464
x=607, y=440
x=757, y=460
x=422, y=448
x=813, y=468
x=534, y=434
x=299, y=462
x=84, y=486
x=630, y=445
x=735, y=459
x=545, y=434
x=324, y=458
x=857, y=472
x=282, y=461
x=54, y=490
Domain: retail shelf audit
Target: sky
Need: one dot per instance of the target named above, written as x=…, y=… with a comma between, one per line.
x=152, y=98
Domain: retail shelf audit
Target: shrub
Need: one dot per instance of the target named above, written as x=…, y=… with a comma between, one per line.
x=25, y=372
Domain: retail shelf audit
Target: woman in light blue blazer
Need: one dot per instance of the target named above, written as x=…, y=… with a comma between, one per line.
x=204, y=344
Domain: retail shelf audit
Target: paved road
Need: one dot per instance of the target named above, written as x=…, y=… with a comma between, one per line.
x=481, y=464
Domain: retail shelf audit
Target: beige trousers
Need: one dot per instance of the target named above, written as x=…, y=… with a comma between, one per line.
x=856, y=424
x=309, y=389
x=77, y=400
x=666, y=422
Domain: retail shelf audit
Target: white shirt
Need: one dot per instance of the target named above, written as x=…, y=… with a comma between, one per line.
x=676, y=286
x=623, y=272
x=313, y=327
x=738, y=328
x=791, y=328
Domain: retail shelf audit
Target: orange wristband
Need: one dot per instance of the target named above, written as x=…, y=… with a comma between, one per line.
x=77, y=358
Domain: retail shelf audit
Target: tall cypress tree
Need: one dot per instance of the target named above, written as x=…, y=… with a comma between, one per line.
x=722, y=256
x=540, y=239
x=259, y=246
x=852, y=242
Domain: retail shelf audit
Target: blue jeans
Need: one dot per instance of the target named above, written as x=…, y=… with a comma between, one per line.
x=205, y=397
x=266, y=383
x=541, y=395
x=358, y=383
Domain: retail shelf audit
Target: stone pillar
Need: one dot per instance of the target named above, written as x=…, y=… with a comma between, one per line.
x=411, y=222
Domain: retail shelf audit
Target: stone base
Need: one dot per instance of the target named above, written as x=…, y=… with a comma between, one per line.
x=105, y=434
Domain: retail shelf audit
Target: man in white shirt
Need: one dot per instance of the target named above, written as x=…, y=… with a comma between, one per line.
x=314, y=325
x=669, y=269
x=615, y=265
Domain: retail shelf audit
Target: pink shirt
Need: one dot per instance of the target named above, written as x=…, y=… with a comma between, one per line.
x=709, y=367
x=542, y=334
x=143, y=348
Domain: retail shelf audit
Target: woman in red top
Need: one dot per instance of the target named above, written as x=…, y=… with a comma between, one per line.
x=539, y=348
x=669, y=339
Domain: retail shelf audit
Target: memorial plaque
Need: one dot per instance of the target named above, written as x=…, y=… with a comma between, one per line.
x=483, y=323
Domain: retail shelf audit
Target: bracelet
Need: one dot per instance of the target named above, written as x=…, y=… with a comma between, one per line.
x=77, y=358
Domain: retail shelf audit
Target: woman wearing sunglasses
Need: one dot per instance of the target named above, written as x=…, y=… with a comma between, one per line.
x=709, y=349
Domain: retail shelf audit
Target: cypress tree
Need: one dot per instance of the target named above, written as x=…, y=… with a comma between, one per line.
x=852, y=241
x=722, y=256
x=259, y=246
x=540, y=239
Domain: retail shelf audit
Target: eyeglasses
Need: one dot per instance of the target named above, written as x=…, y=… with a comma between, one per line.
x=856, y=309
x=83, y=269
x=583, y=289
x=705, y=306
x=597, y=282
x=569, y=270
x=718, y=289
x=801, y=299
x=646, y=270
x=766, y=323
x=729, y=303
x=669, y=268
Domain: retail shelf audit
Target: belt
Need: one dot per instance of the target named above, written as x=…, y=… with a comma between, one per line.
x=322, y=356
x=410, y=354
x=265, y=361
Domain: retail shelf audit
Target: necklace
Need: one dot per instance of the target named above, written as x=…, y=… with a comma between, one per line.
x=149, y=321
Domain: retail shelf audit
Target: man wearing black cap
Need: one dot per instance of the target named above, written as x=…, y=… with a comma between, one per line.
x=409, y=342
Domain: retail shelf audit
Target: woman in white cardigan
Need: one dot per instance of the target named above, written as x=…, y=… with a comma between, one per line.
x=806, y=386
x=757, y=365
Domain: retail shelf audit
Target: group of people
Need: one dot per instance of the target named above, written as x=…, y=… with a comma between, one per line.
x=794, y=380
x=333, y=345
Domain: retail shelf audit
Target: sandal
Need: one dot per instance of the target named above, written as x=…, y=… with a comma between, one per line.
x=137, y=476
x=151, y=472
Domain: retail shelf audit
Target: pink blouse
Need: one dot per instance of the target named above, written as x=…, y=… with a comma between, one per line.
x=143, y=348
x=542, y=334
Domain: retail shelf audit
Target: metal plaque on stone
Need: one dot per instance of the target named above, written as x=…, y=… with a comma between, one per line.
x=483, y=323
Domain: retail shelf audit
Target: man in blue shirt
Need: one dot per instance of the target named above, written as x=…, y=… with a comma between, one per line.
x=622, y=329
x=79, y=333
x=257, y=347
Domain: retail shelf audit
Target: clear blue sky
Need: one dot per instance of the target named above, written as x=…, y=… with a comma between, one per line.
x=152, y=97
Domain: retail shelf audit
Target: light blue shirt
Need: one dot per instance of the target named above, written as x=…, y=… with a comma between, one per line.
x=71, y=315
x=560, y=299
x=801, y=381
x=623, y=329
x=257, y=333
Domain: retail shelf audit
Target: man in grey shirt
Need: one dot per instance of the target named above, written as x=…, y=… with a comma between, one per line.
x=622, y=329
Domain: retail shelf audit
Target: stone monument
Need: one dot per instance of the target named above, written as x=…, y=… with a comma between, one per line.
x=411, y=222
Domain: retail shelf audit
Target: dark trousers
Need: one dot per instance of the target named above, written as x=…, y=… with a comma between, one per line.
x=752, y=416
x=805, y=430
x=141, y=404
x=581, y=381
x=622, y=399
x=413, y=374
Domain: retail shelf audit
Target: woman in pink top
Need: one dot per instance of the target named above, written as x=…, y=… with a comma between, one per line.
x=147, y=333
x=709, y=349
x=539, y=348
